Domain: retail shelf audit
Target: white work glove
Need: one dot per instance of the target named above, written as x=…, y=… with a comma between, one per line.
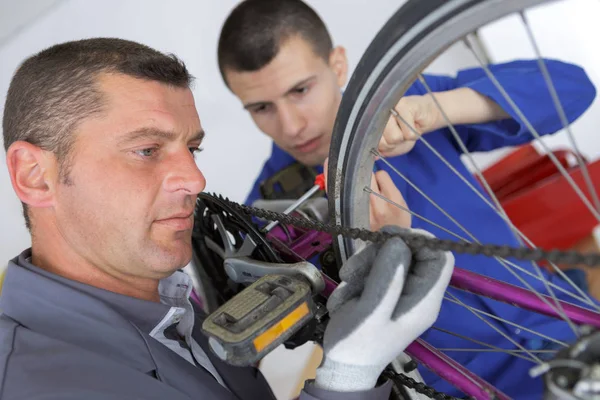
x=388, y=297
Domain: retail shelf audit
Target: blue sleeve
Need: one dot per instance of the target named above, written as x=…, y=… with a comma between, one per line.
x=524, y=82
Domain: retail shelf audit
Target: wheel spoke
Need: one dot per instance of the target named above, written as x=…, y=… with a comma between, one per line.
x=422, y=193
x=563, y=315
x=535, y=134
x=382, y=197
x=476, y=310
x=481, y=196
x=561, y=112
x=468, y=154
x=533, y=356
x=488, y=346
x=499, y=350
x=513, y=265
x=448, y=362
x=499, y=209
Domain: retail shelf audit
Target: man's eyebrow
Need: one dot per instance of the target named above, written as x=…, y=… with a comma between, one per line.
x=198, y=136
x=294, y=87
x=301, y=83
x=153, y=133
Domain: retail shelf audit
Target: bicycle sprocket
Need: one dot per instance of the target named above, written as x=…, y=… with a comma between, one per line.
x=238, y=226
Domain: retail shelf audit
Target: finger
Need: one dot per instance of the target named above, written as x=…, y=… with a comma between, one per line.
x=384, y=146
x=405, y=121
x=357, y=267
x=377, y=213
x=392, y=133
x=353, y=275
x=389, y=190
x=431, y=264
x=424, y=288
x=415, y=294
x=431, y=271
x=375, y=207
x=395, y=229
x=340, y=296
x=374, y=184
x=383, y=286
x=425, y=253
x=374, y=222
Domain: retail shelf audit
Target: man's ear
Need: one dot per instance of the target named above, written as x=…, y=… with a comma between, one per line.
x=338, y=62
x=32, y=173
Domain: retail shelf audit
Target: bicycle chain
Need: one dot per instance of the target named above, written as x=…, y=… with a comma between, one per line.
x=419, y=387
x=416, y=241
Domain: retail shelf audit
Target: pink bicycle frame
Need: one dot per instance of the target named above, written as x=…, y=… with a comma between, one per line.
x=308, y=243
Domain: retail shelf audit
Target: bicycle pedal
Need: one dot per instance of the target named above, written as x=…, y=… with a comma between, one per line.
x=259, y=318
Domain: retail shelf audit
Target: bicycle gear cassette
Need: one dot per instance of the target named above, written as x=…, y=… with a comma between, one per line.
x=219, y=232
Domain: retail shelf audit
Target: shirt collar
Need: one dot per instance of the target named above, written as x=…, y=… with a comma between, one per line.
x=146, y=315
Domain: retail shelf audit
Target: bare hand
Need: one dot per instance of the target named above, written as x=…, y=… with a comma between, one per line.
x=418, y=112
x=382, y=212
x=421, y=113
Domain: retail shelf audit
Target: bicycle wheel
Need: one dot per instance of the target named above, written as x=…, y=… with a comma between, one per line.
x=413, y=37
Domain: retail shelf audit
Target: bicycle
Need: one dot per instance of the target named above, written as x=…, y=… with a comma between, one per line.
x=414, y=36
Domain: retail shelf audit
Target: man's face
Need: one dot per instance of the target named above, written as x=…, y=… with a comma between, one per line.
x=128, y=206
x=295, y=98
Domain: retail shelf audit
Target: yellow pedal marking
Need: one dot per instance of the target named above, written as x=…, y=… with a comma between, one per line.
x=271, y=334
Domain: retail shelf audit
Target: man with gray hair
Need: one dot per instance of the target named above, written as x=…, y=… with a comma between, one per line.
x=100, y=136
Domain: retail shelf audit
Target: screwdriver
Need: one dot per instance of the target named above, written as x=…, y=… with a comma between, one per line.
x=319, y=185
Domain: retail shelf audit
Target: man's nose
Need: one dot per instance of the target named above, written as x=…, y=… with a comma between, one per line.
x=292, y=121
x=184, y=175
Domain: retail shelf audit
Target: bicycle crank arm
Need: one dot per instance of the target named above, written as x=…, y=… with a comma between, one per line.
x=259, y=318
x=246, y=270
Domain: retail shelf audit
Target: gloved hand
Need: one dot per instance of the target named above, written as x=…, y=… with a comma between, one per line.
x=388, y=297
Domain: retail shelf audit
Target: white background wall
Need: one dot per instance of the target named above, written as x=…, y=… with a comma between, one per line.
x=189, y=28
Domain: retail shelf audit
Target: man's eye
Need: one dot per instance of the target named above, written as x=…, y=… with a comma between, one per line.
x=301, y=90
x=149, y=152
x=195, y=150
x=260, y=109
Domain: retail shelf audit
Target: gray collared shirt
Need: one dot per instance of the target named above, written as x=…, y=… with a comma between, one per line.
x=174, y=293
x=61, y=339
